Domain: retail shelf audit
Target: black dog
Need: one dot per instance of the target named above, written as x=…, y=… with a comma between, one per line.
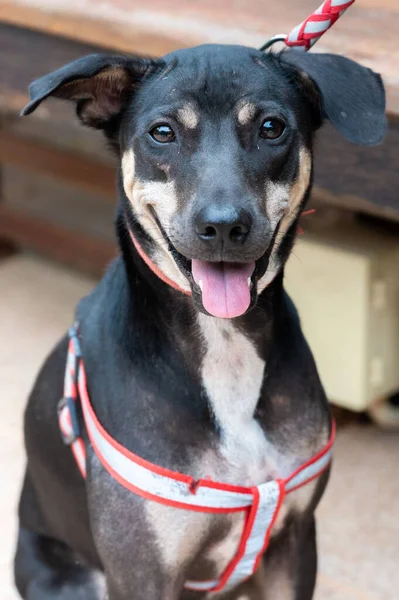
x=194, y=356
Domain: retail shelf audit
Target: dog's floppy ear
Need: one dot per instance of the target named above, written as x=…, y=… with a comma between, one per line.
x=100, y=84
x=349, y=95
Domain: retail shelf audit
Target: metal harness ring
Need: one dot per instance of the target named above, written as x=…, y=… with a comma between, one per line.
x=279, y=37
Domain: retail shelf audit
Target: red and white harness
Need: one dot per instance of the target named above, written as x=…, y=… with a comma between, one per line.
x=261, y=504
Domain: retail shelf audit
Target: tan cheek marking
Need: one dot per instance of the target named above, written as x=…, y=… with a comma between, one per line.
x=296, y=194
x=143, y=194
x=127, y=164
x=246, y=113
x=188, y=117
x=163, y=197
x=295, y=197
x=277, y=197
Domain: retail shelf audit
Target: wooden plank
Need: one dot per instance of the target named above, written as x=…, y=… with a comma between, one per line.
x=354, y=204
x=7, y=249
x=89, y=30
x=367, y=32
x=77, y=170
x=359, y=178
x=26, y=55
x=75, y=249
x=42, y=197
x=6, y=246
x=354, y=177
x=350, y=177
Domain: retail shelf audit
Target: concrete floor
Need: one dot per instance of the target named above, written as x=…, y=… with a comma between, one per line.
x=359, y=515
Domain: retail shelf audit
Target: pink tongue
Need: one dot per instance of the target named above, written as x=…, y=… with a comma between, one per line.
x=225, y=289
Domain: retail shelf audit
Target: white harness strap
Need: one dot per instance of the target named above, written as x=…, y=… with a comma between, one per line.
x=262, y=503
x=267, y=499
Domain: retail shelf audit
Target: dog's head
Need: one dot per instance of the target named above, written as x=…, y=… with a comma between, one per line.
x=215, y=144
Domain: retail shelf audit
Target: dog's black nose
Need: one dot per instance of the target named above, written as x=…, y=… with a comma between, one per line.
x=223, y=225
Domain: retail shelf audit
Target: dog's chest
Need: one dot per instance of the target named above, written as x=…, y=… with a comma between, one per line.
x=232, y=374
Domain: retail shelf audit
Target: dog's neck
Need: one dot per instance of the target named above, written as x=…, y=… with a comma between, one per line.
x=226, y=358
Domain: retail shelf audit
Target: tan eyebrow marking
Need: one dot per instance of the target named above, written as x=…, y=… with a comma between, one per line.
x=188, y=117
x=246, y=112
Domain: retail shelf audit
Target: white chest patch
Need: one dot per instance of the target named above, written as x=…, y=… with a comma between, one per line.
x=232, y=376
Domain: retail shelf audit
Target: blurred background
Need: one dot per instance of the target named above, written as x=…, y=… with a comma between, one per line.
x=57, y=205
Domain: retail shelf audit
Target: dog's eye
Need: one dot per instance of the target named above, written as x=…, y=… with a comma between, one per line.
x=162, y=134
x=271, y=129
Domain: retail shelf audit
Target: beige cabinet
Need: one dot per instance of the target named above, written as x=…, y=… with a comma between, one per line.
x=345, y=284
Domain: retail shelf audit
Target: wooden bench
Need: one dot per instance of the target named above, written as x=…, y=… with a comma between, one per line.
x=57, y=178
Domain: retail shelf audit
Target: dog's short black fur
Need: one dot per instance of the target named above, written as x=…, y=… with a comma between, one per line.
x=215, y=147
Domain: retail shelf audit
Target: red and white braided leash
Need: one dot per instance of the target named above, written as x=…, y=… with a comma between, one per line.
x=307, y=33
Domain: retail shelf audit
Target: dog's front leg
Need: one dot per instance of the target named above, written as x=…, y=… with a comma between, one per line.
x=289, y=567
x=127, y=532
x=138, y=575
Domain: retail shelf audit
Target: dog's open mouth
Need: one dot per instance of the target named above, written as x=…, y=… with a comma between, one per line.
x=225, y=289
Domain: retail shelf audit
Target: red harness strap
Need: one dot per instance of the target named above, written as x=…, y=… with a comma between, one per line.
x=260, y=503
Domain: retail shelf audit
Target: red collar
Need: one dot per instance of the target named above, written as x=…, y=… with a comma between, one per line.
x=154, y=268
